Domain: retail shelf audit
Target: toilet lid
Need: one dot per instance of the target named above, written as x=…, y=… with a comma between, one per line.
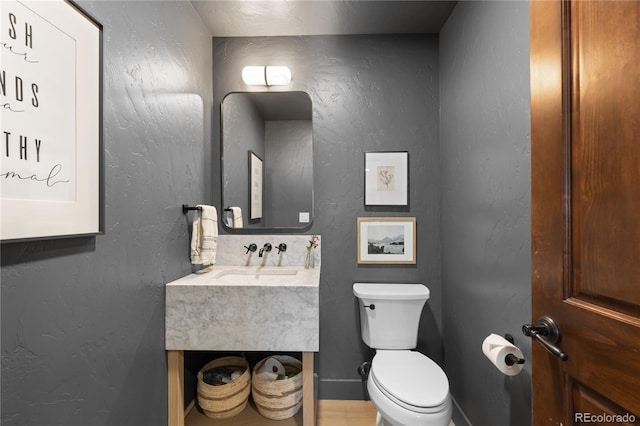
x=410, y=379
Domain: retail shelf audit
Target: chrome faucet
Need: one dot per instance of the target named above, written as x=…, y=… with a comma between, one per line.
x=266, y=247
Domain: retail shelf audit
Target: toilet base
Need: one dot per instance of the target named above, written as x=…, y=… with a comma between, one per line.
x=386, y=410
x=381, y=421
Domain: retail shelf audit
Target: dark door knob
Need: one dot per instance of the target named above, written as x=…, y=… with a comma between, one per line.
x=547, y=333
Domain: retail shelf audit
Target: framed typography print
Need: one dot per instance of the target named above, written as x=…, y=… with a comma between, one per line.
x=387, y=240
x=51, y=126
x=386, y=178
x=255, y=186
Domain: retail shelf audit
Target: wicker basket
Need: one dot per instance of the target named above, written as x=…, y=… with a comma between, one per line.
x=225, y=400
x=278, y=399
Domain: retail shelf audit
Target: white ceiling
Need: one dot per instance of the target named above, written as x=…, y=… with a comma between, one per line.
x=240, y=18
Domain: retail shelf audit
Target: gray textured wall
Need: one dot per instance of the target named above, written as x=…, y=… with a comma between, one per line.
x=288, y=171
x=83, y=318
x=243, y=131
x=369, y=93
x=485, y=160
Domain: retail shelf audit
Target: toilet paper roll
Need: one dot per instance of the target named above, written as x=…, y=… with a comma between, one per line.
x=271, y=369
x=496, y=348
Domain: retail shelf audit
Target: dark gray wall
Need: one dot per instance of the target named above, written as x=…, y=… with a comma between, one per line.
x=243, y=131
x=83, y=318
x=485, y=160
x=369, y=93
x=288, y=171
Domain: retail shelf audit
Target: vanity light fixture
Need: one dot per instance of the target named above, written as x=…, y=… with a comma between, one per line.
x=266, y=76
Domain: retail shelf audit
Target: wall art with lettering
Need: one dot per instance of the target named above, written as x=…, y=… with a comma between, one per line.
x=50, y=121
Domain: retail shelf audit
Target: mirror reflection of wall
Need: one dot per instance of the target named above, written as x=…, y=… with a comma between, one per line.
x=277, y=127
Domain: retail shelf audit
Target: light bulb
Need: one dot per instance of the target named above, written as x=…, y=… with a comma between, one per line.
x=254, y=76
x=266, y=76
x=278, y=76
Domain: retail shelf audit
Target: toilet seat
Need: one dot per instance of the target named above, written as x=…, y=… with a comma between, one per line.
x=411, y=380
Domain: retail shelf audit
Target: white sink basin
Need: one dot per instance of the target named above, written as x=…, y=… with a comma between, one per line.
x=255, y=276
x=257, y=272
x=264, y=276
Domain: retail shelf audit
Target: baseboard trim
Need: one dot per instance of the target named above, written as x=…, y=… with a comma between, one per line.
x=349, y=389
x=459, y=417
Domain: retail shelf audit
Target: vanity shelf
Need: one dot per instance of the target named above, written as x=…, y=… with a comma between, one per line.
x=249, y=417
x=192, y=416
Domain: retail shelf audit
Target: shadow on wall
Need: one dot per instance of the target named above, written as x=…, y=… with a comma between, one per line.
x=429, y=333
x=16, y=253
x=519, y=390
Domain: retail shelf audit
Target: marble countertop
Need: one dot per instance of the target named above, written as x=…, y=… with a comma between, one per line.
x=242, y=308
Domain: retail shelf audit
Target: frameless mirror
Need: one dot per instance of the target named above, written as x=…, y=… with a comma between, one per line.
x=267, y=160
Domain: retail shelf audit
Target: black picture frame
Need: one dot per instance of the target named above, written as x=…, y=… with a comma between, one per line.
x=256, y=186
x=52, y=170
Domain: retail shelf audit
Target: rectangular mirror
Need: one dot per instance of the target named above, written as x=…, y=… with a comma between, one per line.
x=275, y=127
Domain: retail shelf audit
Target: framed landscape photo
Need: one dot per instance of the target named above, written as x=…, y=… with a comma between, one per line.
x=255, y=186
x=386, y=178
x=51, y=183
x=387, y=240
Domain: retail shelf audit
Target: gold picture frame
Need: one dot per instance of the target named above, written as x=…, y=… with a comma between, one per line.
x=386, y=240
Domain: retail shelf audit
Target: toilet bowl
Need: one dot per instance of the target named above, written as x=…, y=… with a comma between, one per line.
x=408, y=389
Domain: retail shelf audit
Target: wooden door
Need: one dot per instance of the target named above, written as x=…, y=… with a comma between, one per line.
x=585, y=155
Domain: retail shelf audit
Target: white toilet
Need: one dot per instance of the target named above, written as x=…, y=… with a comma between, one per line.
x=406, y=387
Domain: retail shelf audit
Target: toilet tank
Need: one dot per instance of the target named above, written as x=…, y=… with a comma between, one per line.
x=393, y=323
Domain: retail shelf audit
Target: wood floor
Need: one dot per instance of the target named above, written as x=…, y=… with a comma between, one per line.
x=346, y=413
x=330, y=413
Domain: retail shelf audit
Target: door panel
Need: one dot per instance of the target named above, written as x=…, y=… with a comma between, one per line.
x=605, y=53
x=586, y=402
x=585, y=137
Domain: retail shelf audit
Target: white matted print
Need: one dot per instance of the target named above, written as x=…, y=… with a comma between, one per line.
x=255, y=182
x=387, y=240
x=386, y=178
x=50, y=124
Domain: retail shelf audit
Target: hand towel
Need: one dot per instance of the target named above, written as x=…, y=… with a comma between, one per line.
x=204, y=236
x=237, y=217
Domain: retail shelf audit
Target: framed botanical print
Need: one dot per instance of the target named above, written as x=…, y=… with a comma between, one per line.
x=386, y=177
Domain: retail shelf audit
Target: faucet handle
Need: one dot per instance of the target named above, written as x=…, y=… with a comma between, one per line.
x=281, y=247
x=252, y=248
